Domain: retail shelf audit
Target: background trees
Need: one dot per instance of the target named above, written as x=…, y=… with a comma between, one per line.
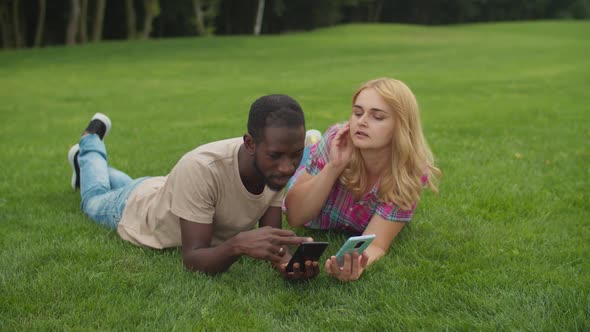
x=34, y=23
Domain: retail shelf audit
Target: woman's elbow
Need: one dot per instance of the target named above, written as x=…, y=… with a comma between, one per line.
x=289, y=212
x=292, y=219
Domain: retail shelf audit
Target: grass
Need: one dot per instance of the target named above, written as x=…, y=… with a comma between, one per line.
x=504, y=246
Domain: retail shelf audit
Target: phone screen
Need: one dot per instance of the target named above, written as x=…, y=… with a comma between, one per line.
x=307, y=251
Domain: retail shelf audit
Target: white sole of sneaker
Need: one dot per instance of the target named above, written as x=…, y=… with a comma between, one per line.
x=71, y=155
x=105, y=119
x=312, y=136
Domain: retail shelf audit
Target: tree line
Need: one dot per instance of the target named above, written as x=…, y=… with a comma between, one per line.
x=37, y=23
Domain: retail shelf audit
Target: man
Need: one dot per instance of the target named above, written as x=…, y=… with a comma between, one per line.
x=212, y=199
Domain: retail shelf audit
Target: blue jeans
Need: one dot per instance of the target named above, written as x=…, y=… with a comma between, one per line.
x=104, y=190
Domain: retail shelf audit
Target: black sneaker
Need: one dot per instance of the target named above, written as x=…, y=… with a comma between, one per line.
x=99, y=124
x=73, y=160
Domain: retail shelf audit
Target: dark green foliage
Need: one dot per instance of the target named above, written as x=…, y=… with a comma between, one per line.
x=232, y=17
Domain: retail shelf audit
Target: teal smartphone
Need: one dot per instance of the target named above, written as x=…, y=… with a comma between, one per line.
x=307, y=251
x=354, y=243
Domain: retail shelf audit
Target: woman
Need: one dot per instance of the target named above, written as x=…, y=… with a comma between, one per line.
x=366, y=175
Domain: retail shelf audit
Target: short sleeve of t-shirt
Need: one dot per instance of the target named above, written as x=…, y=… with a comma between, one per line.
x=193, y=191
x=278, y=200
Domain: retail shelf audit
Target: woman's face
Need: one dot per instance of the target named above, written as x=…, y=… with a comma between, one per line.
x=371, y=122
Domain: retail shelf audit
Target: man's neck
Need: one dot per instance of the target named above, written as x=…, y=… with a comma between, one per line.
x=250, y=178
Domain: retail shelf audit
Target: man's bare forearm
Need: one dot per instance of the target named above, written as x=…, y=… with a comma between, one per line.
x=212, y=260
x=264, y=243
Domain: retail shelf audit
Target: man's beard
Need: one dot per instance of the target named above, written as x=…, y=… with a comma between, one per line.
x=267, y=179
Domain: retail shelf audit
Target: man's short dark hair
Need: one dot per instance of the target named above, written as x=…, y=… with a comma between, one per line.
x=274, y=111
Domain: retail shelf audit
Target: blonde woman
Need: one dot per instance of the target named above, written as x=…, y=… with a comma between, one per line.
x=366, y=175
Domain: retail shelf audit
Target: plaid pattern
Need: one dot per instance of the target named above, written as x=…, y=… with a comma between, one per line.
x=341, y=212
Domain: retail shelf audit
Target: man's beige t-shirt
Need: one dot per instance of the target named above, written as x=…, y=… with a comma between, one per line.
x=204, y=187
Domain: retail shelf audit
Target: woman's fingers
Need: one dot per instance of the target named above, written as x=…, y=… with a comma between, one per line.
x=342, y=135
x=347, y=266
x=351, y=269
x=355, y=264
x=364, y=260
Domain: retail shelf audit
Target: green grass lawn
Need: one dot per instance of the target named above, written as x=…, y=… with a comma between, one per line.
x=504, y=246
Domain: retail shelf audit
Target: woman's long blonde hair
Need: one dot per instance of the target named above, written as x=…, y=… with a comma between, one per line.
x=411, y=157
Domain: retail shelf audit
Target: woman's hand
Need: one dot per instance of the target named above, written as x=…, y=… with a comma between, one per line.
x=353, y=267
x=341, y=148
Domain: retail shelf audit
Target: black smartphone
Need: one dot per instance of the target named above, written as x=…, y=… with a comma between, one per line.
x=307, y=251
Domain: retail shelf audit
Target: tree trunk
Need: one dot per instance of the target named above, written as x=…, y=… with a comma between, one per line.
x=73, y=23
x=150, y=12
x=40, y=24
x=199, y=17
x=227, y=15
x=18, y=37
x=259, y=16
x=84, y=22
x=98, y=21
x=5, y=25
x=377, y=10
x=131, y=21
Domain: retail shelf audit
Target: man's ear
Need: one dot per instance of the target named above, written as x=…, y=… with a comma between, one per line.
x=249, y=143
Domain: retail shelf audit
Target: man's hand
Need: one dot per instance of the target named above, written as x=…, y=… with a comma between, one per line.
x=312, y=269
x=266, y=243
x=353, y=267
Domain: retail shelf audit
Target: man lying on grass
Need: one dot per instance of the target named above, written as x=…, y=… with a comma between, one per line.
x=212, y=199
